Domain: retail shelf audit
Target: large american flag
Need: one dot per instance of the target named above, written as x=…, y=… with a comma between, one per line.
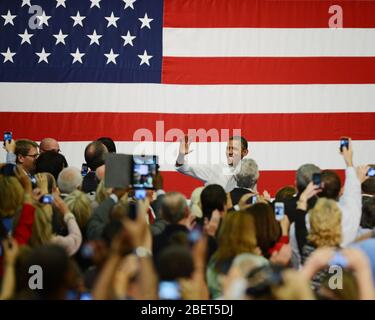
x=76, y=70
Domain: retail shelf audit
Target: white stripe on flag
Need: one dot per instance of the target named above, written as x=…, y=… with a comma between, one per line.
x=101, y=97
x=267, y=42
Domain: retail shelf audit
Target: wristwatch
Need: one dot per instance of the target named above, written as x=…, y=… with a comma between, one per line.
x=142, y=252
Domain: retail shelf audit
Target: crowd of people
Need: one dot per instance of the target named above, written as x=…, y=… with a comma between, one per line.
x=224, y=242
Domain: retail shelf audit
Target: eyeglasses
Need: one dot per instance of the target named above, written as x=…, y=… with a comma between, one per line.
x=32, y=155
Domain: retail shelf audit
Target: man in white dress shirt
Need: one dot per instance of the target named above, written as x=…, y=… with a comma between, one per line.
x=222, y=174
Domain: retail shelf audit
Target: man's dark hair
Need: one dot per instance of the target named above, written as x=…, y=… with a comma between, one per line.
x=94, y=154
x=213, y=197
x=368, y=186
x=368, y=212
x=332, y=185
x=109, y=143
x=244, y=143
x=23, y=146
x=175, y=262
x=51, y=162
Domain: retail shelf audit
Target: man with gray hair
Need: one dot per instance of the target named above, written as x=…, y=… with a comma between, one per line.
x=69, y=180
x=172, y=228
x=246, y=179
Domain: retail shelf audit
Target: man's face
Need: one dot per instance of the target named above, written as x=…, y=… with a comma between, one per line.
x=234, y=152
x=28, y=161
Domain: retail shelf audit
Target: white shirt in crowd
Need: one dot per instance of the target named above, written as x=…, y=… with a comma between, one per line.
x=211, y=174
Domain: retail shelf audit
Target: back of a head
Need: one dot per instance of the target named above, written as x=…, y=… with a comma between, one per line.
x=325, y=224
x=286, y=193
x=69, y=179
x=368, y=212
x=79, y=204
x=213, y=197
x=49, y=144
x=332, y=185
x=267, y=228
x=368, y=186
x=11, y=196
x=236, y=235
x=248, y=174
x=23, y=146
x=304, y=175
x=51, y=162
x=54, y=262
x=175, y=262
x=109, y=143
x=246, y=262
x=95, y=154
x=173, y=207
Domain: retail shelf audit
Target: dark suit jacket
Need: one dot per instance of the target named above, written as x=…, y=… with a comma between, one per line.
x=237, y=193
x=90, y=182
x=99, y=219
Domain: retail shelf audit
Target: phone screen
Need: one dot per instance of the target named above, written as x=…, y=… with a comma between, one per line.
x=140, y=194
x=144, y=172
x=84, y=169
x=316, y=178
x=252, y=200
x=46, y=199
x=279, y=210
x=371, y=172
x=344, y=142
x=169, y=290
x=7, y=136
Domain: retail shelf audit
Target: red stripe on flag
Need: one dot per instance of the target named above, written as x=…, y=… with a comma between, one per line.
x=271, y=181
x=268, y=70
x=265, y=13
x=83, y=126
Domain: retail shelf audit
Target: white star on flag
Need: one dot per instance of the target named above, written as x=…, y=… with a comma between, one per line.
x=9, y=18
x=43, y=19
x=145, y=58
x=77, y=56
x=112, y=20
x=145, y=21
x=25, y=37
x=111, y=57
x=129, y=4
x=95, y=3
x=26, y=2
x=60, y=37
x=43, y=56
x=78, y=19
x=94, y=38
x=8, y=55
x=60, y=3
x=128, y=39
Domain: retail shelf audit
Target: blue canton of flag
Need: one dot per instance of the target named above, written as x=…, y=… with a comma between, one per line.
x=81, y=41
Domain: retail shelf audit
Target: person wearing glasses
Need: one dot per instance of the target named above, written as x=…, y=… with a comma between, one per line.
x=23, y=152
x=49, y=144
